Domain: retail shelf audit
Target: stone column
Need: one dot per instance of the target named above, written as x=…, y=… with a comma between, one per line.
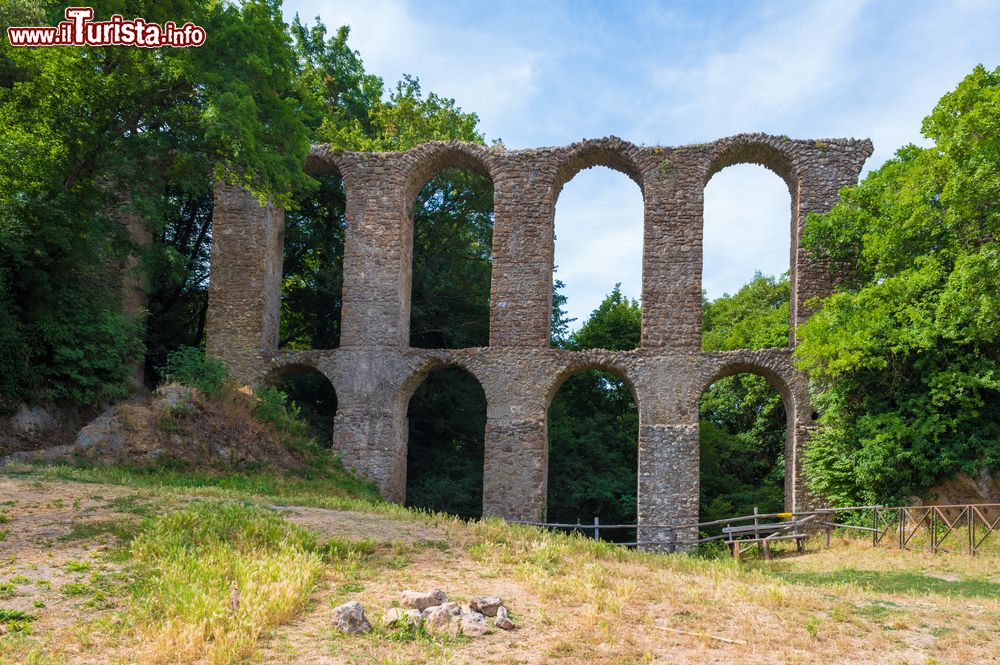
x=521, y=289
x=668, y=480
x=378, y=254
x=244, y=295
x=671, y=254
x=828, y=168
x=515, y=472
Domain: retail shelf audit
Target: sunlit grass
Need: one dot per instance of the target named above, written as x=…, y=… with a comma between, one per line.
x=213, y=577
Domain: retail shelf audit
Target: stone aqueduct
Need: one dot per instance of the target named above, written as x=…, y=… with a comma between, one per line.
x=375, y=371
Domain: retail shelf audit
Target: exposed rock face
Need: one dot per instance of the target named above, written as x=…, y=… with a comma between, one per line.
x=421, y=600
x=963, y=488
x=176, y=424
x=350, y=618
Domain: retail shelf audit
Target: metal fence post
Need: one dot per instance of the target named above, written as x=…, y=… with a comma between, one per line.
x=597, y=528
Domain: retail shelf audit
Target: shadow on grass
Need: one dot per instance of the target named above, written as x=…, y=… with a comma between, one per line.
x=888, y=582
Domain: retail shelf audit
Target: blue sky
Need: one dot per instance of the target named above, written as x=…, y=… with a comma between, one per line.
x=550, y=73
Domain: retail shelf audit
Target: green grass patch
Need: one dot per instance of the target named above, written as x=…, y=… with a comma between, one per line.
x=214, y=576
x=895, y=583
x=15, y=620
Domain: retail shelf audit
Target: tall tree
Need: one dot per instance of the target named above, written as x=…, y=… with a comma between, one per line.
x=904, y=358
x=743, y=419
x=91, y=134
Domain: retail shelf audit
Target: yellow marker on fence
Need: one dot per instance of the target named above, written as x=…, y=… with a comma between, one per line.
x=784, y=515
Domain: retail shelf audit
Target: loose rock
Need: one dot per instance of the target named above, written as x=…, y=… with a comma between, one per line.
x=487, y=605
x=473, y=624
x=398, y=615
x=421, y=600
x=503, y=621
x=350, y=618
x=441, y=619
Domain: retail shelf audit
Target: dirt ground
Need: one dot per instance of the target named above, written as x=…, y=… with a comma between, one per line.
x=56, y=564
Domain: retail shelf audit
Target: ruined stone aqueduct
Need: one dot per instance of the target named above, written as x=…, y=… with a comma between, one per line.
x=375, y=371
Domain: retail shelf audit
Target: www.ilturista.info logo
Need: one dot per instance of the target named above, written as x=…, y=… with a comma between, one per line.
x=80, y=30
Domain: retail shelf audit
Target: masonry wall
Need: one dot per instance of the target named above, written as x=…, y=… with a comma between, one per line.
x=375, y=371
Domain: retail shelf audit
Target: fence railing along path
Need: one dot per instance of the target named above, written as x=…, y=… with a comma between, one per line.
x=949, y=528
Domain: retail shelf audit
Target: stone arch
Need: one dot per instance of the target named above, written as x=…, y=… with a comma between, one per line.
x=624, y=474
x=781, y=378
x=586, y=363
x=322, y=162
x=760, y=149
x=775, y=154
x=612, y=152
x=421, y=165
x=471, y=478
x=429, y=159
x=320, y=410
x=426, y=364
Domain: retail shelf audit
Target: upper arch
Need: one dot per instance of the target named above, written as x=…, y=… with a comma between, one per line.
x=429, y=159
x=612, y=152
x=771, y=152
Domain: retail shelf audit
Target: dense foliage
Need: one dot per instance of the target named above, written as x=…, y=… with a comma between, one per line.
x=743, y=419
x=905, y=357
x=593, y=425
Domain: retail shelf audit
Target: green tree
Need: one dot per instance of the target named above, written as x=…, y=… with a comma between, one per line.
x=90, y=134
x=743, y=419
x=904, y=358
x=593, y=424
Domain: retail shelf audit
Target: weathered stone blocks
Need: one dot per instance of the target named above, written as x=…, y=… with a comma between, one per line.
x=375, y=371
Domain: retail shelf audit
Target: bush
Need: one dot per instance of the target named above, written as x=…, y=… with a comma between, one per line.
x=193, y=368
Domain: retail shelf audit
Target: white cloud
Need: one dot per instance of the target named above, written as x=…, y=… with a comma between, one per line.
x=485, y=73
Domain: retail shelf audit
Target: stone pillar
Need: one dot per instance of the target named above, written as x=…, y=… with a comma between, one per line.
x=244, y=295
x=671, y=253
x=370, y=428
x=378, y=253
x=371, y=441
x=669, y=479
x=521, y=289
x=821, y=175
x=516, y=467
x=800, y=425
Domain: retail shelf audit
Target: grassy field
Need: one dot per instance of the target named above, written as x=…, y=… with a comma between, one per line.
x=114, y=566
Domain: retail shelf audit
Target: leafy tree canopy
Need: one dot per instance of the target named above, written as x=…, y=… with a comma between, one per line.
x=905, y=357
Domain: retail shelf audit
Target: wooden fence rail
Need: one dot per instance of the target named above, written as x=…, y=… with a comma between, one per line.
x=965, y=527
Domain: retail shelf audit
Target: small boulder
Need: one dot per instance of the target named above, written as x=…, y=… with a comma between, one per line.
x=442, y=619
x=350, y=618
x=487, y=605
x=503, y=621
x=398, y=615
x=473, y=624
x=421, y=600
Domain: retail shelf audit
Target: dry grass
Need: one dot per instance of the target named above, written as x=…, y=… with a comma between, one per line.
x=574, y=600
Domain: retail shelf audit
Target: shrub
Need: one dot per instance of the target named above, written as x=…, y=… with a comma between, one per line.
x=192, y=367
